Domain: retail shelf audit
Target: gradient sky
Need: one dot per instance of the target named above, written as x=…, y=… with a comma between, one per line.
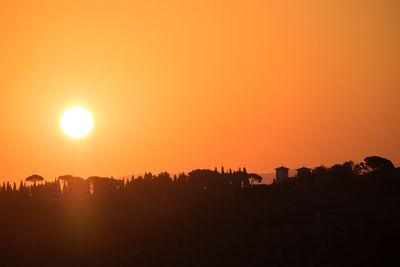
x=176, y=85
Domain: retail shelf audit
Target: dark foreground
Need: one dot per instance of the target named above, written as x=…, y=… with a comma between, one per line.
x=318, y=220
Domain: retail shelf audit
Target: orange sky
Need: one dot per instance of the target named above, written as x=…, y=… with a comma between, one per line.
x=177, y=85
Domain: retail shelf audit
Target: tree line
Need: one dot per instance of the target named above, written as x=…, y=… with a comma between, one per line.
x=342, y=215
x=201, y=180
x=195, y=182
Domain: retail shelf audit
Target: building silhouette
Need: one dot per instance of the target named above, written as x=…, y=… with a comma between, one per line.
x=282, y=174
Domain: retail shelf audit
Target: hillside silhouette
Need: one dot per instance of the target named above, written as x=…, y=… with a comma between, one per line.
x=343, y=215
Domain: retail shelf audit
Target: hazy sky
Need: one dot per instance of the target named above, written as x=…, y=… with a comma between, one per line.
x=177, y=85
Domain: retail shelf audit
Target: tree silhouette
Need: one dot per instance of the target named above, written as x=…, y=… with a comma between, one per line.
x=74, y=185
x=254, y=178
x=34, y=179
x=104, y=185
x=320, y=170
x=376, y=163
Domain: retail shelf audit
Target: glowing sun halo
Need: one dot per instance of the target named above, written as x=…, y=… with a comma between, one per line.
x=76, y=122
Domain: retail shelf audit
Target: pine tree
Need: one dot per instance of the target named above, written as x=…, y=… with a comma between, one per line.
x=21, y=186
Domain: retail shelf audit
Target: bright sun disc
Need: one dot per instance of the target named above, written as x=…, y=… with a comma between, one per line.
x=76, y=122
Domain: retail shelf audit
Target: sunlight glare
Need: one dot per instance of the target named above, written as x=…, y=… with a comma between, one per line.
x=76, y=122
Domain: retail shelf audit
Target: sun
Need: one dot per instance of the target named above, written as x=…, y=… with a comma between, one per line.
x=76, y=122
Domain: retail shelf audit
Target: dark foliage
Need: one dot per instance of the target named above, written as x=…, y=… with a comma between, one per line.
x=376, y=163
x=345, y=215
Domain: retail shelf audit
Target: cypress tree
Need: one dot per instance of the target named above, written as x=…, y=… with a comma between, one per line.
x=21, y=186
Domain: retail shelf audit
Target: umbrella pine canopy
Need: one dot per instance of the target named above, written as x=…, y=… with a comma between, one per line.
x=34, y=178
